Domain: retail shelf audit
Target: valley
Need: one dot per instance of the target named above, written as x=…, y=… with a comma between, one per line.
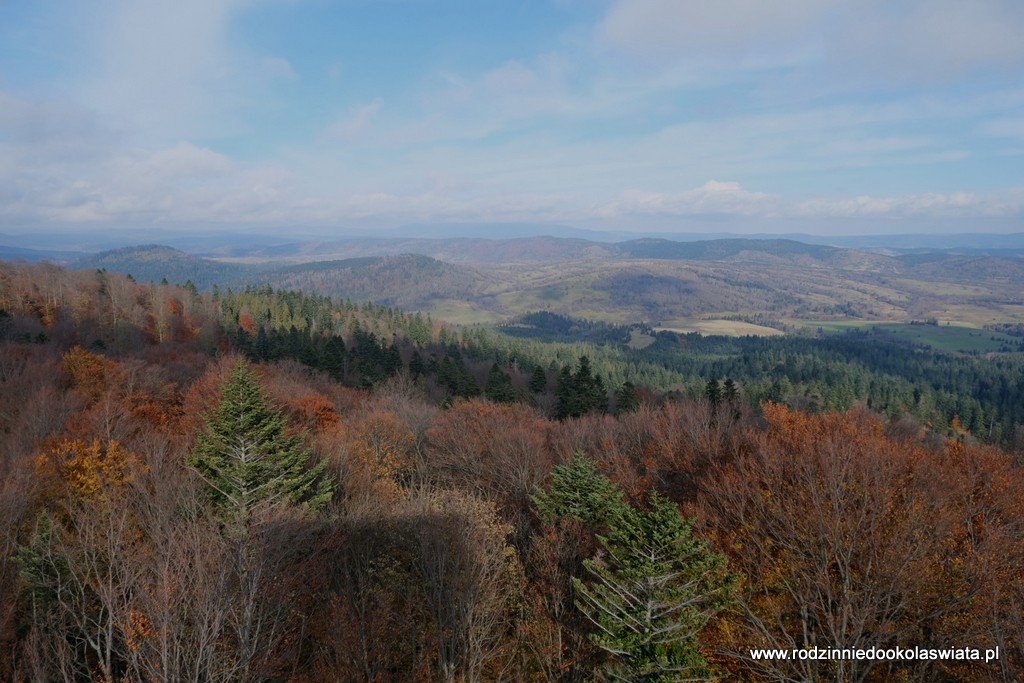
x=723, y=286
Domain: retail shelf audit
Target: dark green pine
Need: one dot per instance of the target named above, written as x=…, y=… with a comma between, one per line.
x=538, y=380
x=499, y=386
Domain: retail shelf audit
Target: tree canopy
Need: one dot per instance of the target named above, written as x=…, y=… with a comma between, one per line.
x=651, y=592
x=246, y=457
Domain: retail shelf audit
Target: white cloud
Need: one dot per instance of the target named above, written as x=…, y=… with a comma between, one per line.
x=730, y=199
x=356, y=123
x=163, y=68
x=711, y=198
x=718, y=186
x=187, y=160
x=551, y=137
x=1005, y=128
x=927, y=41
x=927, y=205
x=689, y=27
x=508, y=98
x=864, y=42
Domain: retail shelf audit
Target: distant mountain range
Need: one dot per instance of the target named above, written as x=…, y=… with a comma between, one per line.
x=652, y=280
x=454, y=242
x=8, y=253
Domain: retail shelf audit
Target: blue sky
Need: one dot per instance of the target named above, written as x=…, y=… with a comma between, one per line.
x=319, y=116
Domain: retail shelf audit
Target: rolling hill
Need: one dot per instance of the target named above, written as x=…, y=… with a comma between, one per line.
x=155, y=262
x=777, y=282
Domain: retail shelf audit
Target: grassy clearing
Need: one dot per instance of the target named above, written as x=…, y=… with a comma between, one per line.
x=639, y=340
x=728, y=328
x=461, y=312
x=832, y=325
x=951, y=337
x=945, y=336
x=975, y=315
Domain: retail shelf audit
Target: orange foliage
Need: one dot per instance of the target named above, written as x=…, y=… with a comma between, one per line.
x=90, y=373
x=86, y=469
x=137, y=630
x=153, y=412
x=203, y=393
x=380, y=445
x=313, y=411
x=654, y=447
x=174, y=306
x=246, y=322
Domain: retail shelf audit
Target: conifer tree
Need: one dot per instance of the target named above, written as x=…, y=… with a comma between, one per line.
x=580, y=392
x=334, y=357
x=246, y=458
x=538, y=380
x=568, y=394
x=417, y=367
x=730, y=392
x=262, y=347
x=653, y=590
x=627, y=399
x=579, y=492
x=713, y=392
x=499, y=386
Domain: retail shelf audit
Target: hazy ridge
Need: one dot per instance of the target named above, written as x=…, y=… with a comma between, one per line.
x=659, y=281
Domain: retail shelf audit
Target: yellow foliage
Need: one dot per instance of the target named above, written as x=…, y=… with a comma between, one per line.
x=87, y=469
x=382, y=443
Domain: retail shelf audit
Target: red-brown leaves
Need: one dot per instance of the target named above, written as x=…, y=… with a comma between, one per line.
x=498, y=449
x=851, y=539
x=89, y=373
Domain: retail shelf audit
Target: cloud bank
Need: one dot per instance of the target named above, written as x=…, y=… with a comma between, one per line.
x=667, y=113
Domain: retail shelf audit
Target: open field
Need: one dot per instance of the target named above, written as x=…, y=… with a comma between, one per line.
x=945, y=336
x=951, y=337
x=729, y=328
x=463, y=313
x=831, y=325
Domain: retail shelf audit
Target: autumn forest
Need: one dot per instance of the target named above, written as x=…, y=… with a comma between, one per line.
x=264, y=485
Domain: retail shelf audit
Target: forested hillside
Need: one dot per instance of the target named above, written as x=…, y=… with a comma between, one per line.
x=157, y=263
x=264, y=485
x=775, y=284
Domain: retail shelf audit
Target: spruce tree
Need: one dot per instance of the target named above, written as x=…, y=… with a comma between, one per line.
x=417, y=367
x=334, y=357
x=262, y=347
x=538, y=380
x=730, y=392
x=653, y=590
x=627, y=399
x=590, y=387
x=499, y=386
x=713, y=392
x=579, y=492
x=580, y=392
x=246, y=458
x=569, y=403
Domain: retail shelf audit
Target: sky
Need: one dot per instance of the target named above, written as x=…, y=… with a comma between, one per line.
x=321, y=116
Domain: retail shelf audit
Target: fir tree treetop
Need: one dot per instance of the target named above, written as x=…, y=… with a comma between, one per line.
x=246, y=457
